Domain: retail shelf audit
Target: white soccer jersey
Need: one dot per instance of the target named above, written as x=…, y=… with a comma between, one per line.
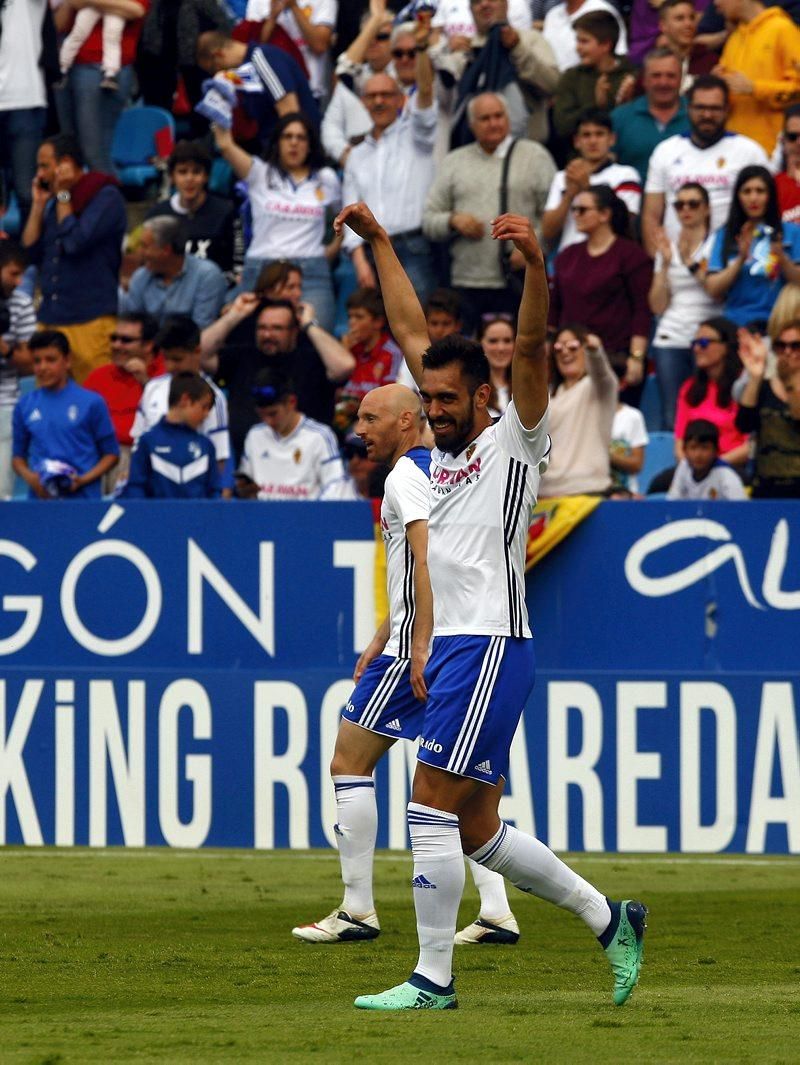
x=154, y=404
x=623, y=180
x=455, y=17
x=318, y=13
x=678, y=160
x=481, y=501
x=407, y=498
x=306, y=464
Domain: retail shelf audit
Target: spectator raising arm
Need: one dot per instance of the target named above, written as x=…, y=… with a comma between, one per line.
x=214, y=336
x=317, y=37
x=339, y=363
x=241, y=162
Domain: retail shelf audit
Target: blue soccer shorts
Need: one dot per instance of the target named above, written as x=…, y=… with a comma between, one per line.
x=383, y=701
x=477, y=690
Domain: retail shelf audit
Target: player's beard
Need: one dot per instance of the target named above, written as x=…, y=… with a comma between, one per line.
x=455, y=437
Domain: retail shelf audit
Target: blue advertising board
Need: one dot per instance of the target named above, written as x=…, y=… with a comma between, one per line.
x=173, y=673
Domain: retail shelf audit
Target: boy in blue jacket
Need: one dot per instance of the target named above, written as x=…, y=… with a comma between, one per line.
x=173, y=460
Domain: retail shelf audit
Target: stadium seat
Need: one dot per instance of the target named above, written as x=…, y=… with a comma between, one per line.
x=10, y=220
x=143, y=138
x=658, y=455
x=650, y=404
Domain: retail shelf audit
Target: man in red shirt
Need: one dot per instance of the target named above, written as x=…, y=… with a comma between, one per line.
x=121, y=382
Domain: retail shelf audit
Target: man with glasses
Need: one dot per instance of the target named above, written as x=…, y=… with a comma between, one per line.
x=788, y=180
x=708, y=154
x=121, y=382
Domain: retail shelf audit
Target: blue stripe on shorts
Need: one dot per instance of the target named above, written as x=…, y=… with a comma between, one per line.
x=383, y=701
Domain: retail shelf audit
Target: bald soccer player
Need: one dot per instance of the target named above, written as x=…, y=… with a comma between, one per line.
x=388, y=702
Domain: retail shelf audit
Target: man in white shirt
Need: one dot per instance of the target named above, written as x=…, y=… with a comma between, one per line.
x=310, y=25
x=559, y=33
x=707, y=154
x=287, y=455
x=594, y=164
x=392, y=170
x=484, y=479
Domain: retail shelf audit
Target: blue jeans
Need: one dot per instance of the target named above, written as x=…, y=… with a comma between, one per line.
x=21, y=133
x=673, y=367
x=90, y=113
x=317, y=285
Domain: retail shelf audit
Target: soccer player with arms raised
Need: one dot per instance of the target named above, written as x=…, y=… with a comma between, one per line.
x=484, y=479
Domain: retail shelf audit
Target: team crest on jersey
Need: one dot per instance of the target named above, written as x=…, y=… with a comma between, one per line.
x=72, y=412
x=471, y=451
x=721, y=162
x=195, y=450
x=298, y=454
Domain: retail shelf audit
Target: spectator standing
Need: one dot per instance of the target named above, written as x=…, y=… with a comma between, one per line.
x=17, y=326
x=310, y=26
x=74, y=235
x=582, y=406
x=594, y=164
x=559, y=29
x=677, y=294
x=466, y=196
x=648, y=120
x=496, y=335
x=289, y=196
x=788, y=179
x=86, y=109
x=603, y=282
x=392, y=170
x=760, y=66
x=23, y=95
x=707, y=393
x=170, y=282
x=287, y=455
x=754, y=254
x=210, y=222
x=677, y=21
x=121, y=382
x=707, y=154
x=702, y=474
x=174, y=460
x=60, y=422
x=770, y=408
x=600, y=79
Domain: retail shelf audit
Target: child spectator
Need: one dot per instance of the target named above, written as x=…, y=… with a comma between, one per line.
x=173, y=460
x=85, y=21
x=702, y=474
x=61, y=428
x=378, y=358
x=628, y=440
x=601, y=79
x=17, y=326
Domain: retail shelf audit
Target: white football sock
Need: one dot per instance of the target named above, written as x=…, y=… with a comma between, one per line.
x=492, y=889
x=532, y=867
x=438, y=885
x=356, y=831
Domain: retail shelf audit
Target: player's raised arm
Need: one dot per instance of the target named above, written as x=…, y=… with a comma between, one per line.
x=403, y=309
x=529, y=366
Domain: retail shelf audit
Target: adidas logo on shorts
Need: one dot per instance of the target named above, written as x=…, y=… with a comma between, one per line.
x=484, y=767
x=395, y=726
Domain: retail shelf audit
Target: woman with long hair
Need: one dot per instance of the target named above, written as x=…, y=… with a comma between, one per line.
x=290, y=191
x=582, y=405
x=603, y=282
x=708, y=392
x=496, y=335
x=754, y=254
x=677, y=294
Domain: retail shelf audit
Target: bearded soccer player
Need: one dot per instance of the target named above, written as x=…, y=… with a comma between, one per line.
x=388, y=701
x=484, y=480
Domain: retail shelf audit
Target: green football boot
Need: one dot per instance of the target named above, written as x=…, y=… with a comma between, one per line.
x=623, y=943
x=407, y=997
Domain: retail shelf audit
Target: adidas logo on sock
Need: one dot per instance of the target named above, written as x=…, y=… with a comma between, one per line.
x=484, y=767
x=422, y=882
x=338, y=830
x=395, y=726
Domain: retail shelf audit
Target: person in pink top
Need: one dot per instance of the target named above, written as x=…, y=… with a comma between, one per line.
x=707, y=393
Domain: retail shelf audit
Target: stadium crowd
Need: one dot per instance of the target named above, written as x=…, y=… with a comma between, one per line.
x=209, y=334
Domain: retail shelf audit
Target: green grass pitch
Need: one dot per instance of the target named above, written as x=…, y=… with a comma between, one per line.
x=145, y=956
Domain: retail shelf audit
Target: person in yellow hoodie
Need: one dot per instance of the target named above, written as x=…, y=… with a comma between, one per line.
x=761, y=64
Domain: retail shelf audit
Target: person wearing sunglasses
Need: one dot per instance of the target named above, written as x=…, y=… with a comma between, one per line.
x=787, y=181
x=754, y=254
x=583, y=402
x=770, y=408
x=708, y=392
x=677, y=294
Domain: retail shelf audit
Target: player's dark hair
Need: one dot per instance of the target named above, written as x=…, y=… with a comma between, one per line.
x=188, y=384
x=705, y=82
x=467, y=354
x=594, y=116
x=605, y=199
x=316, y=158
x=701, y=431
x=737, y=215
x=65, y=146
x=601, y=25
x=178, y=332
x=367, y=299
x=148, y=324
x=190, y=152
x=445, y=301
x=11, y=252
x=732, y=367
x=49, y=338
